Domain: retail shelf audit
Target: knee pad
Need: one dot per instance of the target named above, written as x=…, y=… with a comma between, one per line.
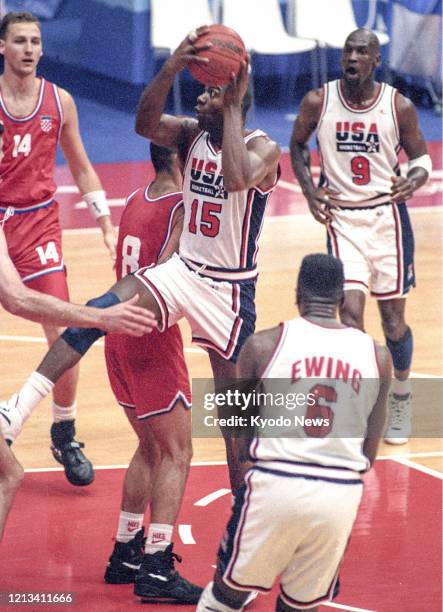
x=401, y=350
x=81, y=339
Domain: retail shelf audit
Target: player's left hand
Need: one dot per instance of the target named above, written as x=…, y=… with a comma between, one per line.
x=127, y=318
x=109, y=236
x=235, y=91
x=402, y=189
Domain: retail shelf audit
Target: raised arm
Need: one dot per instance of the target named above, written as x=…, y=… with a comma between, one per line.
x=151, y=122
x=414, y=145
x=304, y=126
x=377, y=418
x=84, y=175
x=245, y=165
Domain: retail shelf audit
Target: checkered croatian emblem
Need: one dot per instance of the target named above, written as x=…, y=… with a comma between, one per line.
x=46, y=123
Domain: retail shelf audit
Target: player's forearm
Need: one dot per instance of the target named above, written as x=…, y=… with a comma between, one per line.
x=237, y=170
x=418, y=177
x=153, y=101
x=43, y=308
x=301, y=165
x=86, y=179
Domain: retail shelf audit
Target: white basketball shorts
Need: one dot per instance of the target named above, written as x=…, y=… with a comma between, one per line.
x=221, y=313
x=300, y=535
x=376, y=246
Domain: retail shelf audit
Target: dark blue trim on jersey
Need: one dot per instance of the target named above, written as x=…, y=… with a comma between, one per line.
x=408, y=247
x=247, y=313
x=258, y=206
x=214, y=269
x=346, y=481
x=305, y=463
x=226, y=548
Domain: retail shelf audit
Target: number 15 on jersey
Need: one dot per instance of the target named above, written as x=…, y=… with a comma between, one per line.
x=205, y=218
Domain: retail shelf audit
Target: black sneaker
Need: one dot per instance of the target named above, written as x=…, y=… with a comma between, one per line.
x=158, y=582
x=125, y=560
x=67, y=451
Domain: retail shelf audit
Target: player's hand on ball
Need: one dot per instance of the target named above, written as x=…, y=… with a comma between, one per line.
x=188, y=50
x=402, y=189
x=236, y=90
x=320, y=205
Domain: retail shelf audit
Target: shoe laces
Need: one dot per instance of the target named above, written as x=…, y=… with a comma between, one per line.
x=398, y=411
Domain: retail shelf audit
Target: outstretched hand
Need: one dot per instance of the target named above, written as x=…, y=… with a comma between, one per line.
x=320, y=205
x=126, y=318
x=188, y=49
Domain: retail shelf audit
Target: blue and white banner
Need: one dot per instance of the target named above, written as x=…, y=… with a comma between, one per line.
x=416, y=38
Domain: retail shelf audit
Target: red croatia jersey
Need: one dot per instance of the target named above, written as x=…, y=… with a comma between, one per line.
x=145, y=228
x=29, y=148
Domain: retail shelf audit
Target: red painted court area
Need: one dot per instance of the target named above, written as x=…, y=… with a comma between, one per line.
x=59, y=537
x=121, y=179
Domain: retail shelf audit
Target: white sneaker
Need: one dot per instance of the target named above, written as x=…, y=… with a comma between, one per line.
x=11, y=422
x=398, y=430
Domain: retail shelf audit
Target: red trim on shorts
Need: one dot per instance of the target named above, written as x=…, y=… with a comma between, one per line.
x=157, y=295
x=309, y=604
x=334, y=241
x=359, y=282
x=227, y=576
x=398, y=291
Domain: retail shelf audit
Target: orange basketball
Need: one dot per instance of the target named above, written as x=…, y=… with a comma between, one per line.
x=225, y=56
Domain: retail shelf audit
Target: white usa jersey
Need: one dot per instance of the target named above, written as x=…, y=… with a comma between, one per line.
x=336, y=371
x=221, y=229
x=358, y=146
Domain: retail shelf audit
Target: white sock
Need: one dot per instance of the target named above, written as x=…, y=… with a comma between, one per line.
x=159, y=537
x=207, y=601
x=30, y=395
x=401, y=387
x=128, y=525
x=63, y=413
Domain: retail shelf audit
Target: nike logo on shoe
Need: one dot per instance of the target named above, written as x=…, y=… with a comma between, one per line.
x=130, y=565
x=158, y=577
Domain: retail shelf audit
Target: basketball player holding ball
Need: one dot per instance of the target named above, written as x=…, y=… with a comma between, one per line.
x=229, y=174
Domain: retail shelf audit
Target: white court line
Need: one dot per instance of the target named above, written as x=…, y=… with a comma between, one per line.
x=417, y=466
x=417, y=455
x=223, y=462
x=42, y=340
x=185, y=533
x=331, y=604
x=208, y=499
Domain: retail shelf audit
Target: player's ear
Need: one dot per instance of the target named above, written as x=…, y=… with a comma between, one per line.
x=2, y=46
x=377, y=60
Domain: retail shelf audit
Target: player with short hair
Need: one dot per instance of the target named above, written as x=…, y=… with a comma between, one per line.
x=301, y=539
x=37, y=115
x=229, y=174
x=19, y=300
x=361, y=126
x=160, y=414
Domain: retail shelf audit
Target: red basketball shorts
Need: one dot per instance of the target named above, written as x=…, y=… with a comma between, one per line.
x=148, y=374
x=34, y=241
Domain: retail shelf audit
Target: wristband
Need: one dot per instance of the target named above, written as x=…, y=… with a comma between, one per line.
x=424, y=161
x=97, y=203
